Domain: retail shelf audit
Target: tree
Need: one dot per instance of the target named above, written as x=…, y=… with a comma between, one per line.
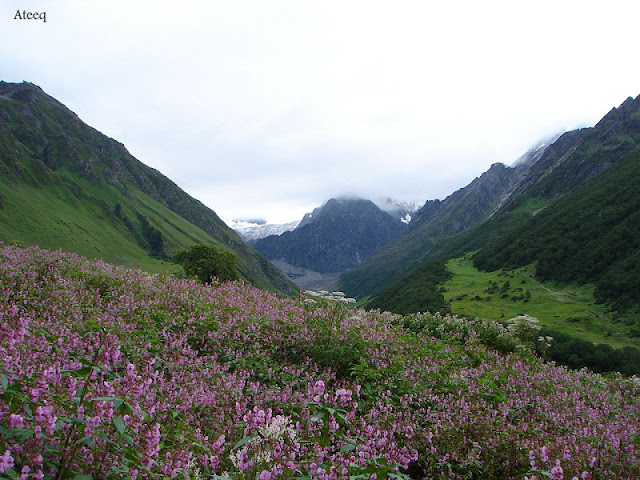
x=206, y=262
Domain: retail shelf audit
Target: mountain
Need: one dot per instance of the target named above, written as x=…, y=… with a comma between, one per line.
x=579, y=155
x=592, y=235
x=334, y=237
x=434, y=221
x=398, y=209
x=572, y=216
x=251, y=230
x=66, y=185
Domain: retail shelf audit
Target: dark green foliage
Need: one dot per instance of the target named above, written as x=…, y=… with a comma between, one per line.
x=577, y=353
x=341, y=353
x=590, y=236
x=205, y=262
x=461, y=330
x=418, y=292
x=152, y=238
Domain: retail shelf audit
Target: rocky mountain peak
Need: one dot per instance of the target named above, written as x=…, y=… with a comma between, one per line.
x=339, y=234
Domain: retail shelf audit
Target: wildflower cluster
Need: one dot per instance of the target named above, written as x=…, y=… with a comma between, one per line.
x=491, y=333
x=524, y=327
x=111, y=373
x=332, y=296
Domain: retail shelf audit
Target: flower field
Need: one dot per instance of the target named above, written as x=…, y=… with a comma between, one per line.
x=112, y=373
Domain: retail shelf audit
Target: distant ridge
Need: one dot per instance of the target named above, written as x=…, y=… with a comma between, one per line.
x=334, y=237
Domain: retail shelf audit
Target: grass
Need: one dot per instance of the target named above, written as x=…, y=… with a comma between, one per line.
x=52, y=218
x=500, y=295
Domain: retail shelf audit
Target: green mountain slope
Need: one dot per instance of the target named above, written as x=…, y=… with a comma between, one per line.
x=573, y=264
x=589, y=236
x=572, y=238
x=568, y=308
x=65, y=185
x=553, y=172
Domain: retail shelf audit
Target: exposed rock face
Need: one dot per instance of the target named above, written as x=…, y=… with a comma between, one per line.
x=468, y=205
x=334, y=237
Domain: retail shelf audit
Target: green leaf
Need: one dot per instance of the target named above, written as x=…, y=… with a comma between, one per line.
x=71, y=420
x=348, y=447
x=321, y=415
x=242, y=442
x=83, y=477
x=117, y=402
x=81, y=372
x=4, y=382
x=11, y=473
x=22, y=434
x=88, y=441
x=118, y=422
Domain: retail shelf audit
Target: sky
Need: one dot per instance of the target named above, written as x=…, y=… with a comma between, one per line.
x=266, y=109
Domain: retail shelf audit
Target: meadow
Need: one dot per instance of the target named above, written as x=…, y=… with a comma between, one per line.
x=567, y=308
x=107, y=372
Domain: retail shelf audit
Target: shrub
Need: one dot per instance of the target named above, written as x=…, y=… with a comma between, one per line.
x=206, y=262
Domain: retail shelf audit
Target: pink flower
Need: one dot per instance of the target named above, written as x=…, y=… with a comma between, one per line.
x=343, y=396
x=557, y=472
x=15, y=421
x=6, y=461
x=545, y=453
x=265, y=475
x=318, y=388
x=24, y=473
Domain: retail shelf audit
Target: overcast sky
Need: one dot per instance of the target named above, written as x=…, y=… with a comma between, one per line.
x=268, y=108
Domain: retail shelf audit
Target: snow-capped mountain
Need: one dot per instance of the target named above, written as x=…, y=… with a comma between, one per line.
x=337, y=235
x=251, y=230
x=404, y=211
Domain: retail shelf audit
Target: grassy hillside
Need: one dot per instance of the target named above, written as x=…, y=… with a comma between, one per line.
x=578, y=257
x=590, y=236
x=53, y=217
x=110, y=373
x=503, y=294
x=65, y=185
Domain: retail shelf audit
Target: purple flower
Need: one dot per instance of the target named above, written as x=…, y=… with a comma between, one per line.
x=15, y=421
x=6, y=461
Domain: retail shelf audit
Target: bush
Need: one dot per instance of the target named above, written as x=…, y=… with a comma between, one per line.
x=206, y=262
